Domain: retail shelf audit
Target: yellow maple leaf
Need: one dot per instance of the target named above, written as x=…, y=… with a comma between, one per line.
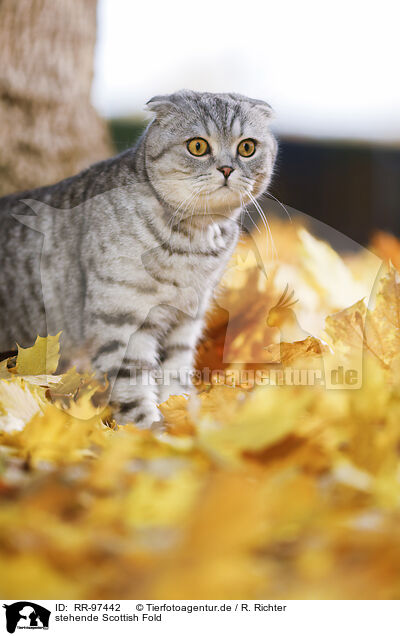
x=375, y=331
x=382, y=327
x=345, y=329
x=41, y=358
x=4, y=372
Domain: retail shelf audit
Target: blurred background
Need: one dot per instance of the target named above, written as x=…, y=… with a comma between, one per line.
x=74, y=77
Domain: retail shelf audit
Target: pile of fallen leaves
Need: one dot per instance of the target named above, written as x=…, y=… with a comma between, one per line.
x=280, y=490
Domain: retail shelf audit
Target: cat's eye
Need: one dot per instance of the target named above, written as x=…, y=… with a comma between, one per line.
x=247, y=148
x=198, y=147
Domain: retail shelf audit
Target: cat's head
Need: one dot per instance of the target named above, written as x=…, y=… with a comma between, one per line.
x=206, y=152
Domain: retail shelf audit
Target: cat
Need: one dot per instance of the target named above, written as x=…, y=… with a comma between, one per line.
x=124, y=257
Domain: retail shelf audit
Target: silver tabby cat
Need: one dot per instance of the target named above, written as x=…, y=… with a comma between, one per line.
x=124, y=257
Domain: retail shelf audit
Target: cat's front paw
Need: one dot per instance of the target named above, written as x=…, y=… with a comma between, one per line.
x=146, y=417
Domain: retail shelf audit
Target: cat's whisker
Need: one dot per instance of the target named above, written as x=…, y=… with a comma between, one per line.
x=186, y=201
x=203, y=219
x=268, y=195
x=192, y=201
x=266, y=226
x=183, y=204
x=264, y=219
x=271, y=251
x=244, y=208
x=206, y=211
x=190, y=223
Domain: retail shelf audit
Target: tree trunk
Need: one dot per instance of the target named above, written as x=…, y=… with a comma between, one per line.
x=48, y=127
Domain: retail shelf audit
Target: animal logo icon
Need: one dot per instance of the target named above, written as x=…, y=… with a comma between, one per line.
x=26, y=615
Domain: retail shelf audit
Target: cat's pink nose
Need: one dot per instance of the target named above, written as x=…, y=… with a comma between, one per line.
x=226, y=170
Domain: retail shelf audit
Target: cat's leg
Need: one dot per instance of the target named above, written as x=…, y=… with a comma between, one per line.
x=129, y=367
x=177, y=355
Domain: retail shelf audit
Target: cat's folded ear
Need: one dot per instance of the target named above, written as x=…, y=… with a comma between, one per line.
x=260, y=104
x=161, y=105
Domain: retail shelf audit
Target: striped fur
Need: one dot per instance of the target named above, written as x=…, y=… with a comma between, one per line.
x=123, y=258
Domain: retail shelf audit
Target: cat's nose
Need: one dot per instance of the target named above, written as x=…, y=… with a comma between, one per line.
x=226, y=170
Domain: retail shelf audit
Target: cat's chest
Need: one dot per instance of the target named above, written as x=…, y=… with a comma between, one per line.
x=203, y=266
x=197, y=273
x=188, y=289
x=143, y=272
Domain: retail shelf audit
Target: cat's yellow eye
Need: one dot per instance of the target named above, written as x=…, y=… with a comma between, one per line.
x=198, y=147
x=247, y=148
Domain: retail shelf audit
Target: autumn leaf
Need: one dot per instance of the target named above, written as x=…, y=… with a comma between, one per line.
x=40, y=359
x=345, y=329
x=176, y=416
x=4, y=372
x=375, y=331
x=383, y=322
